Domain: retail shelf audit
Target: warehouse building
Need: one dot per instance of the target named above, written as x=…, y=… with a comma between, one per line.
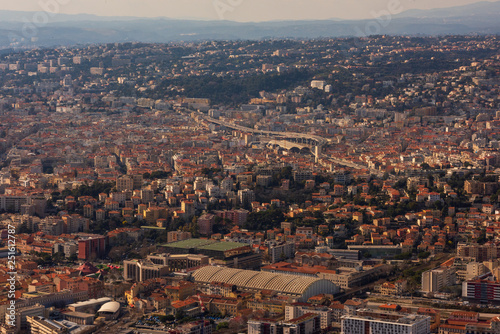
x=297, y=287
x=160, y=265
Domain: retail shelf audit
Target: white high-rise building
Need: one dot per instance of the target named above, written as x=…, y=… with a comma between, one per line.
x=410, y=324
x=226, y=185
x=436, y=279
x=246, y=196
x=280, y=251
x=319, y=84
x=295, y=311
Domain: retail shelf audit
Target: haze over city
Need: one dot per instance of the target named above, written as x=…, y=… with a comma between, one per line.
x=249, y=167
x=241, y=10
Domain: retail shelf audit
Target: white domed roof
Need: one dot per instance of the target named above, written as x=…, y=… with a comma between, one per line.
x=111, y=307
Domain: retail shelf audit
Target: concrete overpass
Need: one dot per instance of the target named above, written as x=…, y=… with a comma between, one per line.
x=314, y=143
x=357, y=166
x=291, y=146
x=301, y=137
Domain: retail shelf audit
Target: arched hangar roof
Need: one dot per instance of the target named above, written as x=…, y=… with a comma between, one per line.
x=289, y=284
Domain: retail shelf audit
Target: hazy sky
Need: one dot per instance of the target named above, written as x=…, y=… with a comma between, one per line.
x=235, y=10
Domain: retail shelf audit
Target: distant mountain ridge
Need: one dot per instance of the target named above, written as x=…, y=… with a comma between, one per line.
x=477, y=9
x=17, y=16
x=65, y=29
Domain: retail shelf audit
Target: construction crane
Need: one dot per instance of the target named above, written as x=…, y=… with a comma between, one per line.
x=203, y=311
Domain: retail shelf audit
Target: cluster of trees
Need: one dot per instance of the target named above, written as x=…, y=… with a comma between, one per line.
x=234, y=90
x=264, y=220
x=45, y=259
x=92, y=190
x=409, y=255
x=156, y=175
x=210, y=172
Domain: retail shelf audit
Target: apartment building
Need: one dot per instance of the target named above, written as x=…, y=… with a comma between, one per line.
x=298, y=310
x=481, y=290
x=92, y=246
x=280, y=251
x=174, y=236
x=409, y=324
x=481, y=253
x=306, y=324
x=435, y=279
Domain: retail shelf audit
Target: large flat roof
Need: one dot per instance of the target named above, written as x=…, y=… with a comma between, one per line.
x=223, y=246
x=190, y=243
x=91, y=302
x=153, y=228
x=79, y=314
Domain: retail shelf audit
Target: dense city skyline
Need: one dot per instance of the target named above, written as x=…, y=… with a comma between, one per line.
x=319, y=186
x=180, y=176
